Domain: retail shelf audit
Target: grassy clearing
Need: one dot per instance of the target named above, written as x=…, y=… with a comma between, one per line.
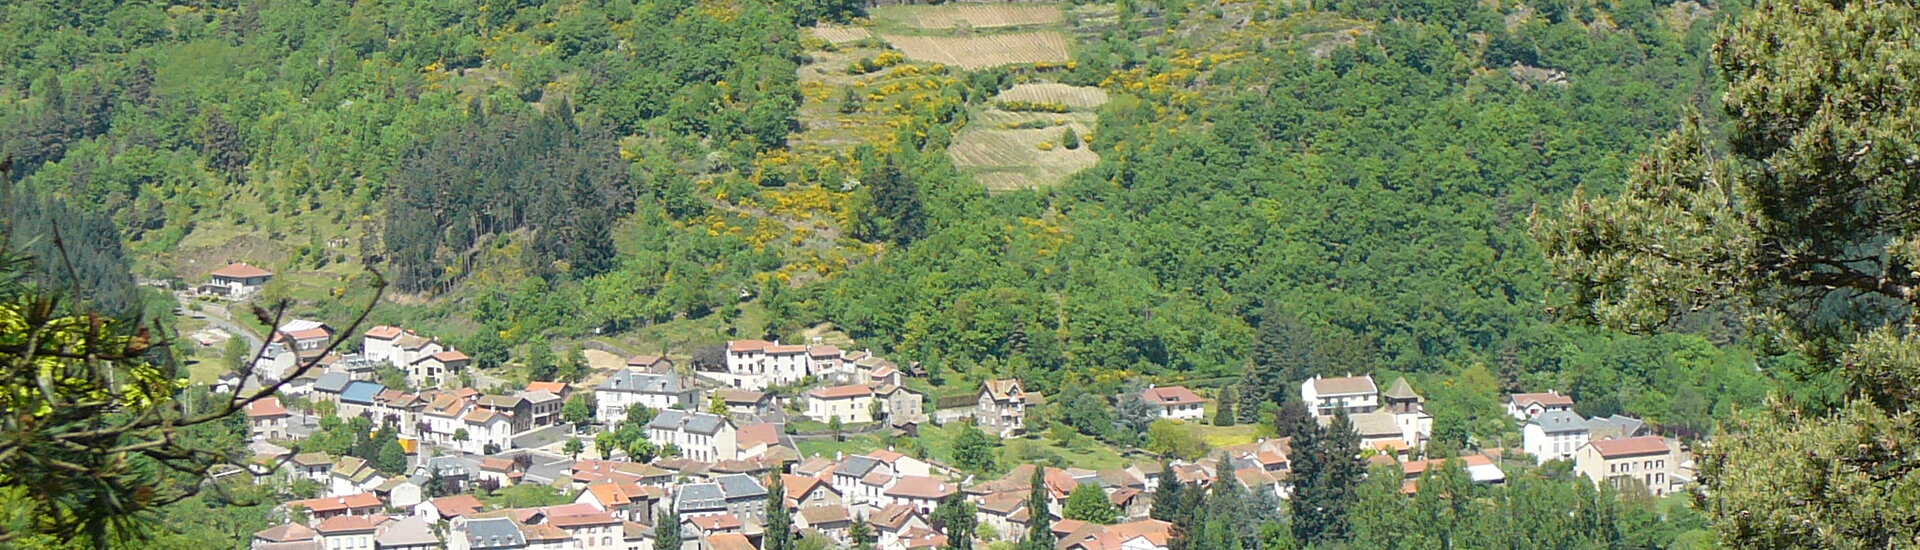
x=853, y=445
x=982, y=52
x=965, y=16
x=1005, y=159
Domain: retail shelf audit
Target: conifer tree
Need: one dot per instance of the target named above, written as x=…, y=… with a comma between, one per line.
x=666, y=529
x=779, y=527
x=1326, y=470
x=860, y=534
x=1223, y=410
x=1040, y=531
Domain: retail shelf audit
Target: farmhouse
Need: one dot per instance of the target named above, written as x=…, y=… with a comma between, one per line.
x=267, y=419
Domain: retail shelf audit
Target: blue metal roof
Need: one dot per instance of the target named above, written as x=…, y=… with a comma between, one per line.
x=361, y=392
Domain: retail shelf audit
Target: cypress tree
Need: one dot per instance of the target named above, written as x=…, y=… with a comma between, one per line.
x=1040, y=531
x=1223, y=411
x=1327, y=470
x=779, y=529
x=1167, y=496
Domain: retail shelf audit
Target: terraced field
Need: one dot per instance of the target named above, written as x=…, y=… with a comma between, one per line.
x=987, y=51
x=1003, y=151
x=837, y=34
x=973, y=16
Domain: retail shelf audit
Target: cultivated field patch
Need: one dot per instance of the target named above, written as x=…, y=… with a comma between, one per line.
x=980, y=52
x=1003, y=158
x=1078, y=98
x=977, y=16
x=841, y=35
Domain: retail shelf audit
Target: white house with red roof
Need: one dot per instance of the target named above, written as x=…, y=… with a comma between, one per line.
x=1324, y=396
x=1175, y=402
x=757, y=364
x=236, y=280
x=397, y=346
x=1522, y=406
x=486, y=428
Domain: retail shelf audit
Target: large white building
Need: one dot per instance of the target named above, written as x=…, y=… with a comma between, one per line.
x=1554, y=435
x=1356, y=394
x=757, y=364
x=700, y=436
x=637, y=387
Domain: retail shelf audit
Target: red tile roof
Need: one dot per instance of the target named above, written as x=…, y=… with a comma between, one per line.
x=921, y=487
x=450, y=356
x=1544, y=399
x=720, y=522
x=336, y=504
x=345, y=524
x=555, y=388
x=385, y=332
x=748, y=345
x=241, y=270
x=458, y=505
x=1172, y=395
x=643, y=360
x=823, y=351
x=265, y=408
x=1632, y=446
x=842, y=392
x=571, y=521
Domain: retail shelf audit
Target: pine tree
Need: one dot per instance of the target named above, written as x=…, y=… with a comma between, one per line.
x=779, y=527
x=1040, y=530
x=1070, y=140
x=666, y=529
x=1284, y=355
x=1223, y=410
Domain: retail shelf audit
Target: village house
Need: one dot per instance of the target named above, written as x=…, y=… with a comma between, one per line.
x=1522, y=406
x=488, y=432
x=745, y=403
x=1553, y=435
x=451, y=470
x=900, y=405
x=746, y=498
x=852, y=404
x=305, y=339
x=502, y=472
x=893, y=525
x=1001, y=408
x=517, y=409
x=694, y=500
x=1356, y=394
x=650, y=363
x=267, y=419
x=397, y=347
x=700, y=436
x=400, y=409
x=633, y=387
x=448, y=508
x=1480, y=469
x=356, y=398
x=1646, y=461
x=411, y=533
x=591, y=531
x=830, y=520
x=351, y=475
x=545, y=407
x=923, y=493
x=347, y=532
x=1135, y=535
x=1175, y=403
x=286, y=536
x=440, y=367
x=442, y=419
x=492, y=533
x=235, y=281
x=624, y=499
x=359, y=504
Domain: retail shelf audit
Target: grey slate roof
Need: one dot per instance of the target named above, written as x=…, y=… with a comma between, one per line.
x=407, y=532
x=700, y=496
x=636, y=380
x=741, y=486
x=856, y=466
x=1559, y=422
x=332, y=382
x=447, y=465
x=1616, y=426
x=494, y=533
x=700, y=423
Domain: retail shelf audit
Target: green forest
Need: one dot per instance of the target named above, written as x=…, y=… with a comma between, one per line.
x=1396, y=187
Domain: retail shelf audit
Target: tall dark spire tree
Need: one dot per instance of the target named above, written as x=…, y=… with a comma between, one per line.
x=779, y=530
x=666, y=529
x=1039, y=513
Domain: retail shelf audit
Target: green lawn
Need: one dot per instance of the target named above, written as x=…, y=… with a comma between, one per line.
x=853, y=445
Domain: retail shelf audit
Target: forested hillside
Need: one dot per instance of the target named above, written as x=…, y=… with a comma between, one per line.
x=1360, y=171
